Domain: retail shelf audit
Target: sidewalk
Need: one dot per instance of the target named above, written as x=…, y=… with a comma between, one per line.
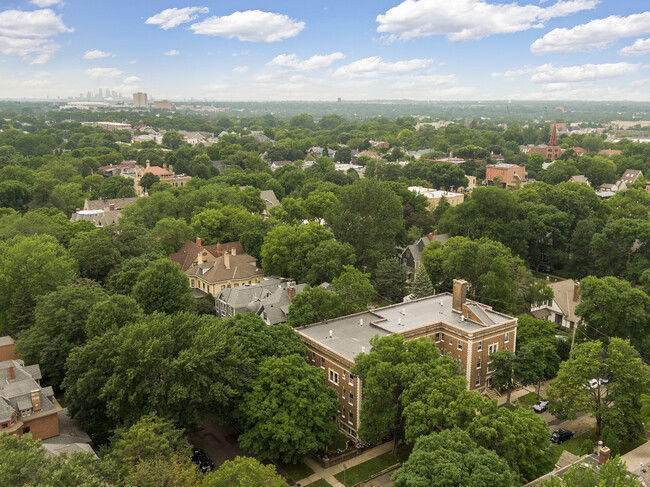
x=328, y=473
x=501, y=400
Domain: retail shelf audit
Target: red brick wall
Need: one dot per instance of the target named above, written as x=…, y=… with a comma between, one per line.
x=42, y=427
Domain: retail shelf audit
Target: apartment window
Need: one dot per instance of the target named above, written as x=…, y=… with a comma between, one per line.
x=479, y=346
x=478, y=363
x=343, y=394
x=478, y=381
x=343, y=413
x=351, y=398
x=451, y=341
x=343, y=375
x=351, y=382
x=442, y=337
x=558, y=319
x=191, y=282
x=334, y=377
x=437, y=337
x=493, y=348
x=351, y=418
x=460, y=345
x=506, y=337
x=313, y=356
x=322, y=363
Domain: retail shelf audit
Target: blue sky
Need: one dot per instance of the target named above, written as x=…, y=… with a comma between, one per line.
x=309, y=50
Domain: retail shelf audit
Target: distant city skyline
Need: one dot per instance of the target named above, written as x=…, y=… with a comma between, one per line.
x=296, y=50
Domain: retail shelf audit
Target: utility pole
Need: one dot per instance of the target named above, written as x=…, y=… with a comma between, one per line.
x=573, y=339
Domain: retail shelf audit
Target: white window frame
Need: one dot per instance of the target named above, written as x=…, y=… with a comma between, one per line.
x=322, y=363
x=479, y=363
x=351, y=380
x=351, y=398
x=334, y=377
x=451, y=341
x=479, y=346
x=437, y=337
x=493, y=348
x=351, y=418
x=460, y=346
x=477, y=382
x=343, y=394
x=506, y=337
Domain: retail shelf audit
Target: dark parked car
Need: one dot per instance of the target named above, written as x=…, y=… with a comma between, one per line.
x=558, y=436
x=540, y=406
x=202, y=460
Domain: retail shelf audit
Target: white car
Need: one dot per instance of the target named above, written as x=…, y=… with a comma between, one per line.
x=594, y=383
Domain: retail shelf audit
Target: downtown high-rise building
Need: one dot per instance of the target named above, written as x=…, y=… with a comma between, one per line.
x=140, y=100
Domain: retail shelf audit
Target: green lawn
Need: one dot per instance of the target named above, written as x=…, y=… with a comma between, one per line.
x=573, y=445
x=365, y=470
x=338, y=443
x=319, y=483
x=297, y=471
x=527, y=401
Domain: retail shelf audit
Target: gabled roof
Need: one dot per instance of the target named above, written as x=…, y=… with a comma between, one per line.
x=269, y=198
x=242, y=266
x=158, y=171
x=563, y=292
x=105, y=204
x=417, y=247
x=631, y=175
x=190, y=251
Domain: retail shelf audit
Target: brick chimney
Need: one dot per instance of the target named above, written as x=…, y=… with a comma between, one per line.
x=11, y=373
x=226, y=259
x=603, y=455
x=576, y=292
x=198, y=241
x=148, y=164
x=219, y=250
x=548, y=280
x=111, y=207
x=435, y=232
x=430, y=235
x=460, y=294
x=199, y=258
x=233, y=251
x=291, y=292
x=36, y=400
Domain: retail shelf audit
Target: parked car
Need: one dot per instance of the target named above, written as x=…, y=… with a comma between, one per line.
x=560, y=435
x=202, y=460
x=593, y=383
x=540, y=406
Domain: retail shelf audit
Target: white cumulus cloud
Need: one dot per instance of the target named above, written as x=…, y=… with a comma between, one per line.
x=465, y=20
x=29, y=33
x=96, y=54
x=585, y=72
x=374, y=66
x=240, y=69
x=173, y=17
x=129, y=80
x=173, y=52
x=315, y=62
x=251, y=25
x=102, y=73
x=46, y=3
x=641, y=47
x=596, y=34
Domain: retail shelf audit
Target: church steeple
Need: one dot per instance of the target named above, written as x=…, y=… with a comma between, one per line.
x=553, y=141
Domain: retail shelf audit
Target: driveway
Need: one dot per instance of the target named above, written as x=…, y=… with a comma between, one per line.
x=218, y=441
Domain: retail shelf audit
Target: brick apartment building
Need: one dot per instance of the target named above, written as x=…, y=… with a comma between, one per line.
x=25, y=406
x=509, y=174
x=467, y=330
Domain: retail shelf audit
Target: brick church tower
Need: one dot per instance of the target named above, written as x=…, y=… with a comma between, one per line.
x=553, y=141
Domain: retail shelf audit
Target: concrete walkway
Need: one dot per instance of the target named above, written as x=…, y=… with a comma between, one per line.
x=328, y=473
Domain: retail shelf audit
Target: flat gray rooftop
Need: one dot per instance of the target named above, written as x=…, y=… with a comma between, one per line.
x=350, y=334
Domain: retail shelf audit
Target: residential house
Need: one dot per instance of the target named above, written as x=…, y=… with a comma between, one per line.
x=380, y=144
x=165, y=173
x=195, y=138
x=580, y=151
x=269, y=299
x=456, y=161
x=411, y=256
x=7, y=349
x=562, y=308
x=188, y=254
x=260, y=137
x=509, y=174
x=212, y=269
x=102, y=212
x=611, y=152
x=278, y=164
x=580, y=179
x=435, y=196
x=25, y=406
x=270, y=200
x=630, y=176
x=467, y=330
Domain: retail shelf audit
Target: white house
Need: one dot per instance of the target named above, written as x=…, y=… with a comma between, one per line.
x=561, y=309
